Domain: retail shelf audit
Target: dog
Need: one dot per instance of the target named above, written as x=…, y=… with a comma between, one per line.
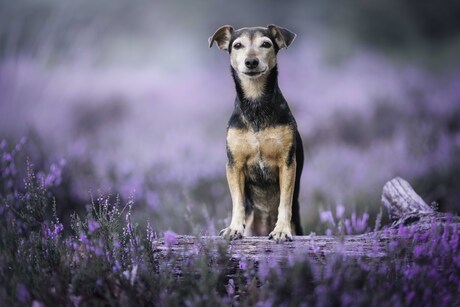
x=264, y=148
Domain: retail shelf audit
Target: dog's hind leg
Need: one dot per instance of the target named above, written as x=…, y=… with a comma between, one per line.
x=297, y=225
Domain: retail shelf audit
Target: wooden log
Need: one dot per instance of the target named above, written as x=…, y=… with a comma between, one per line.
x=403, y=204
x=261, y=249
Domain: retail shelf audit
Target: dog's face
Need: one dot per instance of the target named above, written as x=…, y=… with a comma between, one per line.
x=252, y=50
x=252, y=54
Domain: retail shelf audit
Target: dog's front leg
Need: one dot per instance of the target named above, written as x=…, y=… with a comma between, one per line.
x=283, y=228
x=235, y=178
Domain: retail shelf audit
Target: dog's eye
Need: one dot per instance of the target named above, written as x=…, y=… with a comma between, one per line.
x=237, y=46
x=266, y=45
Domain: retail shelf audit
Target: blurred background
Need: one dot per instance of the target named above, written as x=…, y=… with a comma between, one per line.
x=127, y=98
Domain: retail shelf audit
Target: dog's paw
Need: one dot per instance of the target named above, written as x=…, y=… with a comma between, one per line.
x=281, y=234
x=232, y=233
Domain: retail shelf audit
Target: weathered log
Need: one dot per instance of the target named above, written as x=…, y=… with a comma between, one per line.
x=403, y=204
x=262, y=249
x=406, y=207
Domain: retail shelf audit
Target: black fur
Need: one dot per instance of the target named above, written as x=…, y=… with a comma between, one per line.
x=229, y=156
x=270, y=110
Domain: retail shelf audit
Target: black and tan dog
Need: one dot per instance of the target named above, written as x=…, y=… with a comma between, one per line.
x=264, y=148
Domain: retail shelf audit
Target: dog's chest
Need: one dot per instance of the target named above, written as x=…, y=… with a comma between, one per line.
x=264, y=149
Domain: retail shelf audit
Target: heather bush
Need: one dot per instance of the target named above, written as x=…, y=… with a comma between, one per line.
x=105, y=258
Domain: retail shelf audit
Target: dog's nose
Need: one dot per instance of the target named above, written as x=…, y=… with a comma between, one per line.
x=251, y=63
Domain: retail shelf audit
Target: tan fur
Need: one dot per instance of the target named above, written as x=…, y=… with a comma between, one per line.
x=253, y=89
x=283, y=224
x=235, y=179
x=268, y=148
x=248, y=146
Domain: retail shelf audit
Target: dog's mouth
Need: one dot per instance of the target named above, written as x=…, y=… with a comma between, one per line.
x=254, y=73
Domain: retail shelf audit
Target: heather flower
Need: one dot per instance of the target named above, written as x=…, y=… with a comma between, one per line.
x=454, y=240
x=22, y=293
x=7, y=157
x=84, y=239
x=98, y=251
x=151, y=236
x=116, y=267
x=412, y=271
x=348, y=227
x=58, y=228
x=410, y=296
x=326, y=217
x=393, y=245
x=361, y=223
x=403, y=232
x=170, y=238
x=52, y=234
x=52, y=178
x=418, y=251
x=346, y=299
x=92, y=226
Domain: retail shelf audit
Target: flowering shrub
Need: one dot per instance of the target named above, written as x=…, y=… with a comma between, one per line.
x=105, y=258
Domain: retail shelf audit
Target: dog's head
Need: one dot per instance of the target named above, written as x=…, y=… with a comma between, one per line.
x=252, y=50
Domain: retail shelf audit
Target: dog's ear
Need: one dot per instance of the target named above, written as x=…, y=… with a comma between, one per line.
x=283, y=37
x=222, y=37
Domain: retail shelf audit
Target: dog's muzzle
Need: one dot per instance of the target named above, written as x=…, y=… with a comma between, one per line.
x=251, y=62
